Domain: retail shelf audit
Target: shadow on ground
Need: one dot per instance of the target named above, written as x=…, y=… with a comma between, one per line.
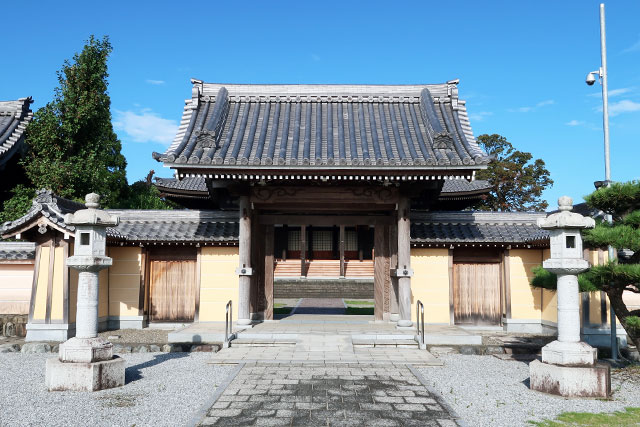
x=134, y=373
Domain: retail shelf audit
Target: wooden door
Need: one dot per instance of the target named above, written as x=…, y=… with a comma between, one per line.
x=476, y=293
x=173, y=290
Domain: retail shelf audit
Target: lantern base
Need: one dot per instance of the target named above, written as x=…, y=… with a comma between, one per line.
x=569, y=353
x=86, y=350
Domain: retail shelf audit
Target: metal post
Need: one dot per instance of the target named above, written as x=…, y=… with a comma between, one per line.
x=607, y=164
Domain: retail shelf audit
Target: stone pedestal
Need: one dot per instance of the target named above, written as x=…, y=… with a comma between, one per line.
x=85, y=350
x=94, y=376
x=571, y=381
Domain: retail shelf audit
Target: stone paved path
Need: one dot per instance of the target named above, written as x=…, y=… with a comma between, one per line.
x=327, y=395
x=320, y=306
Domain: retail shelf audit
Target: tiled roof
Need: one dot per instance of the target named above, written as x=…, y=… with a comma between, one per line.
x=195, y=184
x=325, y=126
x=176, y=226
x=192, y=226
x=17, y=251
x=477, y=227
x=461, y=186
x=47, y=205
x=14, y=117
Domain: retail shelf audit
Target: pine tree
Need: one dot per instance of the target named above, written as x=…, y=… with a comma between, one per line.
x=517, y=181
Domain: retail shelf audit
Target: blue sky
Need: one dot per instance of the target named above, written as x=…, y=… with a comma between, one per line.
x=521, y=65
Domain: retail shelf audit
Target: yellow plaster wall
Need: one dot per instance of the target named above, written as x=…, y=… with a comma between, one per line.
x=124, y=281
x=40, y=307
x=57, y=290
x=103, y=293
x=218, y=282
x=73, y=294
x=430, y=284
x=15, y=288
x=526, y=302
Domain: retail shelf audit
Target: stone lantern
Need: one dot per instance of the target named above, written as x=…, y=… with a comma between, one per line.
x=568, y=366
x=86, y=362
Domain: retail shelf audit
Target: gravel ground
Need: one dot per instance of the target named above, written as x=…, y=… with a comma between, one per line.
x=487, y=391
x=163, y=389
x=138, y=336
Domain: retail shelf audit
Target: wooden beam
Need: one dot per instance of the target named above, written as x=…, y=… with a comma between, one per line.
x=143, y=274
x=324, y=196
x=325, y=220
x=507, y=283
x=65, y=283
x=34, y=283
x=303, y=248
x=342, y=269
x=268, y=271
x=451, y=285
x=393, y=262
x=52, y=259
x=196, y=316
x=380, y=262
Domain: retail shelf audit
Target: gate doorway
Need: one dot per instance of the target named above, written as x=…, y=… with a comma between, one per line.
x=172, y=287
x=476, y=290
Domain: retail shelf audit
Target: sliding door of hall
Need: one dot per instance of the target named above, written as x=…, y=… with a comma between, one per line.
x=172, y=287
x=476, y=291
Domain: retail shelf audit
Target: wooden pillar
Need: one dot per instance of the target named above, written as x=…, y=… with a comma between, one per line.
x=342, y=265
x=244, y=270
x=404, y=272
x=257, y=306
x=303, y=249
x=381, y=271
x=268, y=271
x=393, y=249
x=452, y=318
x=507, y=283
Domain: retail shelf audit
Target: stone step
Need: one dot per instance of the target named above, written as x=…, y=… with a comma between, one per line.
x=268, y=342
x=395, y=343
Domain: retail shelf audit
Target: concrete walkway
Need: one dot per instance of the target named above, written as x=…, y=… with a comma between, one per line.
x=326, y=395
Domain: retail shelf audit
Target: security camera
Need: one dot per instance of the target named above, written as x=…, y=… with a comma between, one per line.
x=591, y=79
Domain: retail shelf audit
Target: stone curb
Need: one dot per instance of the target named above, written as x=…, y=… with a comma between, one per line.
x=52, y=347
x=201, y=413
x=437, y=396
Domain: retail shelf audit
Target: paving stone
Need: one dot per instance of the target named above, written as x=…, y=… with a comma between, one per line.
x=409, y=407
x=225, y=412
x=376, y=407
x=347, y=394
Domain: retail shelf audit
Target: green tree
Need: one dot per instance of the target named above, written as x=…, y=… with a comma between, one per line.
x=144, y=195
x=18, y=204
x=517, y=181
x=73, y=149
x=622, y=201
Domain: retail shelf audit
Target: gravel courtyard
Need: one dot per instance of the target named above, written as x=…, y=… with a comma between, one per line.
x=163, y=389
x=487, y=391
x=167, y=389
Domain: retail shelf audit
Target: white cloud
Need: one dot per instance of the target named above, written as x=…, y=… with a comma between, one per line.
x=528, y=109
x=633, y=48
x=145, y=126
x=613, y=93
x=480, y=116
x=624, y=106
x=544, y=103
x=574, y=123
x=155, y=82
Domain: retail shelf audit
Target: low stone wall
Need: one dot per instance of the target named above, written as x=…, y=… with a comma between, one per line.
x=13, y=325
x=323, y=288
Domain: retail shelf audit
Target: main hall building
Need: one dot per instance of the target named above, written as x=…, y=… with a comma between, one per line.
x=348, y=191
